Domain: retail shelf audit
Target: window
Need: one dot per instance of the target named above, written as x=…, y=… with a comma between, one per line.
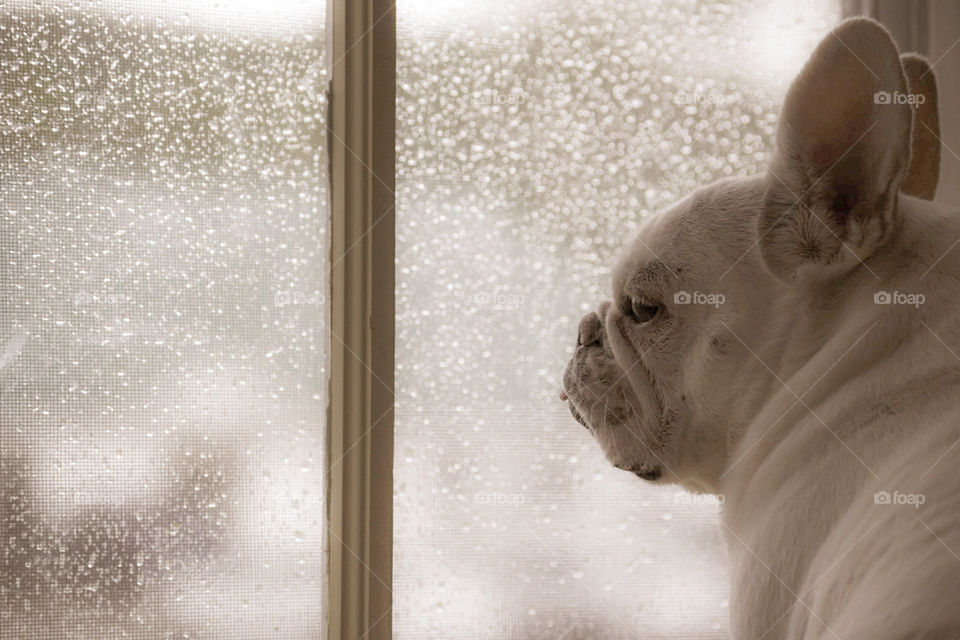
x=531, y=137
x=163, y=375
x=198, y=434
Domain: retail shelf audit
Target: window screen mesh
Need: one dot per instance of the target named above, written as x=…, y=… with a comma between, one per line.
x=532, y=136
x=162, y=376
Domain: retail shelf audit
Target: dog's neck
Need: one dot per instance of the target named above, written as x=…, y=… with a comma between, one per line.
x=805, y=323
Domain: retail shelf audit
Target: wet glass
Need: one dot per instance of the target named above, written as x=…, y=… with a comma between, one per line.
x=162, y=335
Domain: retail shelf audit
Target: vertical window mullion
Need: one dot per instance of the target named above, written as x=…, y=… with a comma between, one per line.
x=361, y=129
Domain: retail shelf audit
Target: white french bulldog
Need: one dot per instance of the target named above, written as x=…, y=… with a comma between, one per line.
x=792, y=342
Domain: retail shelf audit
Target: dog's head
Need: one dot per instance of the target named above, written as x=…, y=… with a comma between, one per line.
x=668, y=372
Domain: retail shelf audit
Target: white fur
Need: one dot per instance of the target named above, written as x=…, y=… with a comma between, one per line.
x=798, y=398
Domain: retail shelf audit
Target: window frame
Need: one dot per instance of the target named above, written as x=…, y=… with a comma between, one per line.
x=361, y=64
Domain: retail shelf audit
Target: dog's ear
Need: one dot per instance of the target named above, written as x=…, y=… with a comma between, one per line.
x=924, y=170
x=843, y=145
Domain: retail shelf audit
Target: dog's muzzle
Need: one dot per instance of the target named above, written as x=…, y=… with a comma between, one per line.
x=598, y=394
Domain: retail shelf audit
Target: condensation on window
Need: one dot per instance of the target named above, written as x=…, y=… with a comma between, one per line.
x=162, y=344
x=532, y=137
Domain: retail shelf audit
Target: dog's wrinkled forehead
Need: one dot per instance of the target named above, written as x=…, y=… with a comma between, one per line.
x=644, y=259
x=705, y=234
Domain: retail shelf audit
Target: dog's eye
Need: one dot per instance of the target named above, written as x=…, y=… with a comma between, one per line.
x=642, y=312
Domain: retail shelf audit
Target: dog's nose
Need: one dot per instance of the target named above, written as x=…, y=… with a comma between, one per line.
x=590, y=330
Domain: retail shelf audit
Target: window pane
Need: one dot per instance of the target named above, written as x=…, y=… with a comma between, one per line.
x=532, y=137
x=162, y=200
